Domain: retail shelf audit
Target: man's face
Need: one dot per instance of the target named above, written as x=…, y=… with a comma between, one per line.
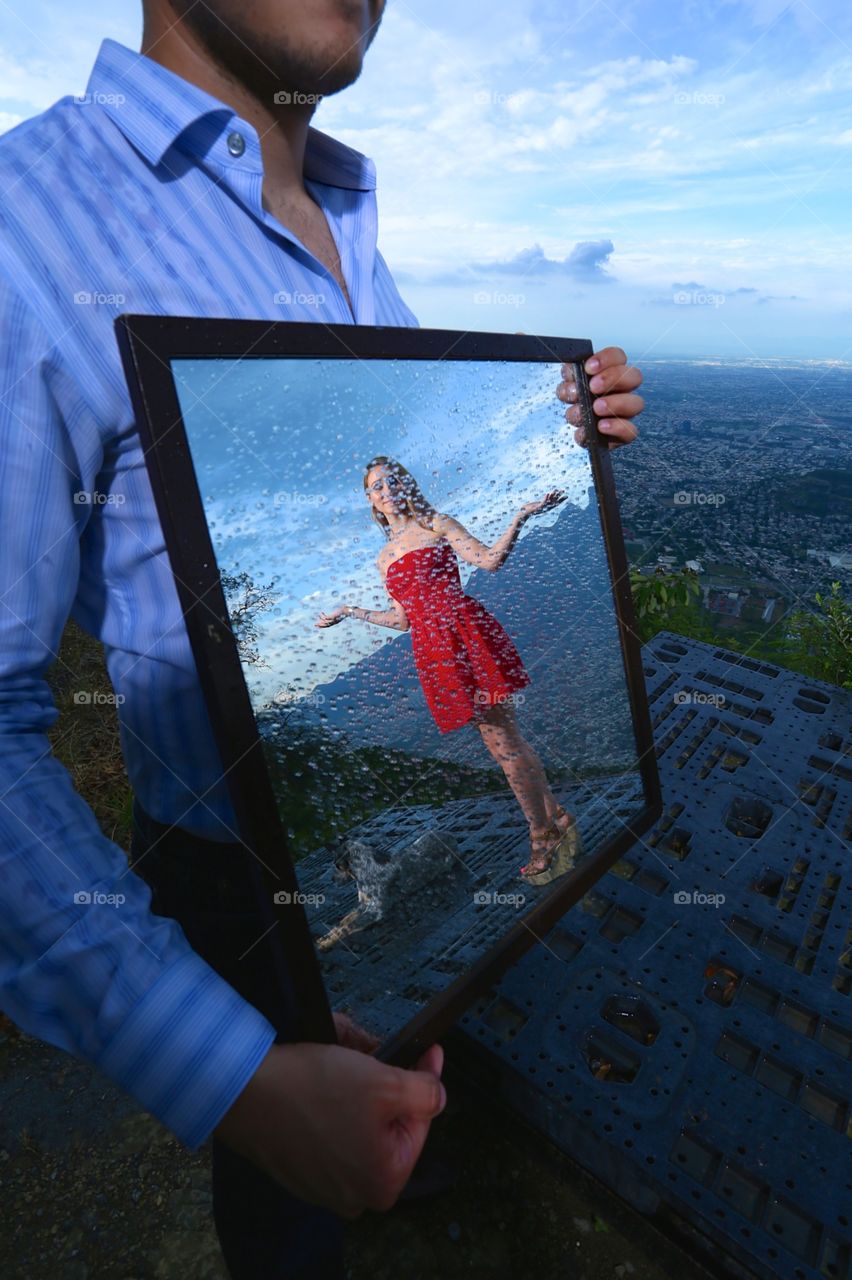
x=311, y=47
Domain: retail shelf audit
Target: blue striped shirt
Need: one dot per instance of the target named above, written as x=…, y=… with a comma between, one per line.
x=143, y=195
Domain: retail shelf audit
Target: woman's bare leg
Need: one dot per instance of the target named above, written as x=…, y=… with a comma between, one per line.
x=524, y=771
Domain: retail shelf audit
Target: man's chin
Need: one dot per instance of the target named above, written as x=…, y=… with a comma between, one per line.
x=268, y=66
x=339, y=75
x=328, y=64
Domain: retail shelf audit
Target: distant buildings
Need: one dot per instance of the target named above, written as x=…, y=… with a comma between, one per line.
x=777, y=528
x=725, y=602
x=834, y=559
x=752, y=602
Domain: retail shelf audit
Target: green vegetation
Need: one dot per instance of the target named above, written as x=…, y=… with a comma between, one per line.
x=330, y=788
x=662, y=598
x=815, y=642
x=822, y=641
x=325, y=786
x=85, y=736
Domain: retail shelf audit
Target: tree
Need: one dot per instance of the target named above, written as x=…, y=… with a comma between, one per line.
x=659, y=599
x=819, y=643
x=245, y=600
x=816, y=643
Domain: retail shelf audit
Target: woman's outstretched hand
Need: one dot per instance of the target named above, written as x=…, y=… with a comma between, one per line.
x=551, y=499
x=330, y=619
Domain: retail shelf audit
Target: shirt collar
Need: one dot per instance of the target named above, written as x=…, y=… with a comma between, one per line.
x=154, y=107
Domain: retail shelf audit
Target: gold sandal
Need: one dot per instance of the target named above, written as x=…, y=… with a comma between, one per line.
x=562, y=859
x=543, y=848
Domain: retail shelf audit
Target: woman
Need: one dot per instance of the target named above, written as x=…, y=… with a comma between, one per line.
x=468, y=666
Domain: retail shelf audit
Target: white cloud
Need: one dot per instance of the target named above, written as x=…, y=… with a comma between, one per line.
x=706, y=147
x=47, y=50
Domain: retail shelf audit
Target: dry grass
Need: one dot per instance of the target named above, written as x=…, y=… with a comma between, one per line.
x=85, y=737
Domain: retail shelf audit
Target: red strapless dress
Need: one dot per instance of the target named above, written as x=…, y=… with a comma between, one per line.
x=464, y=658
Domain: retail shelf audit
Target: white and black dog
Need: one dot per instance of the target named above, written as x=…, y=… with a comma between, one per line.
x=387, y=880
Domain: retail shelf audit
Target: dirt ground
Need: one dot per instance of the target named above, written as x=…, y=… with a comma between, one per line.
x=94, y=1189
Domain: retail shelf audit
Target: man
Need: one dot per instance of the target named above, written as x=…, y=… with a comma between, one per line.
x=187, y=181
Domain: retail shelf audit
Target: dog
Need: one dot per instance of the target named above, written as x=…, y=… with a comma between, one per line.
x=387, y=879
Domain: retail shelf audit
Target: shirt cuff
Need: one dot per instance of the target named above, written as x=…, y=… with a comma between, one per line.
x=188, y=1049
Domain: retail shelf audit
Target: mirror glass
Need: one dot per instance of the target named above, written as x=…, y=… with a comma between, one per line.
x=412, y=556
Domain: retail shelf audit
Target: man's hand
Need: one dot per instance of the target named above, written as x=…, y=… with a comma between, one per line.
x=352, y=1035
x=612, y=382
x=333, y=1125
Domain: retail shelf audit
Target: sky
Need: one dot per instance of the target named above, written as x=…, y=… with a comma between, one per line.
x=279, y=447
x=671, y=178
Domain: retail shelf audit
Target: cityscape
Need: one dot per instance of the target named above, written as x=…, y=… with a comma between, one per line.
x=743, y=473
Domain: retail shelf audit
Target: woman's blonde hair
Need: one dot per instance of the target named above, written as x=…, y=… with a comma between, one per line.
x=418, y=507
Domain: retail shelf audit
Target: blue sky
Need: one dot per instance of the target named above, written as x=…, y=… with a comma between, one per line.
x=672, y=178
x=295, y=509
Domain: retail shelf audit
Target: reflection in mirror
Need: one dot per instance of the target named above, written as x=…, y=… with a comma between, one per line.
x=412, y=557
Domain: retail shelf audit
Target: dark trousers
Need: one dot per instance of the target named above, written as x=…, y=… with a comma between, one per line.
x=264, y=1232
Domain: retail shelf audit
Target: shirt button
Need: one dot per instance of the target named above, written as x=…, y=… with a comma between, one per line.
x=236, y=144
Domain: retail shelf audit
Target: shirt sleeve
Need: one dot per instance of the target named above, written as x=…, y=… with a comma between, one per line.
x=84, y=964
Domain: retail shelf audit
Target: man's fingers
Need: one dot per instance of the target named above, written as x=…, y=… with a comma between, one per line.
x=353, y=1036
x=410, y=1105
x=418, y=1095
x=620, y=377
x=612, y=382
x=617, y=379
x=618, y=406
x=619, y=434
x=567, y=389
x=604, y=358
x=618, y=431
x=432, y=1060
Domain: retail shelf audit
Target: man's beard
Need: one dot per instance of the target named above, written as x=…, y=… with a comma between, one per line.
x=262, y=63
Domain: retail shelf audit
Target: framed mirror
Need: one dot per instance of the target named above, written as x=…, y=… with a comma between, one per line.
x=406, y=592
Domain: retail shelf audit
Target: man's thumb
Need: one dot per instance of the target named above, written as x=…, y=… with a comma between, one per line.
x=422, y=1095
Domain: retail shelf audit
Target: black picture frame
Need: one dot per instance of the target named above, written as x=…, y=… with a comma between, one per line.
x=148, y=344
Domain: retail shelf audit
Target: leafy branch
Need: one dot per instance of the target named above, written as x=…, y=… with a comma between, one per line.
x=246, y=600
x=819, y=643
